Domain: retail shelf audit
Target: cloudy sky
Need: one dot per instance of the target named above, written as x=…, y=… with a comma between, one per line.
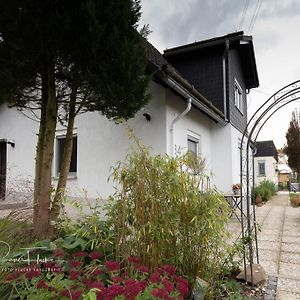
x=274, y=25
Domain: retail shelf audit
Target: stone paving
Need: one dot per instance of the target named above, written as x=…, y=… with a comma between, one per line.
x=279, y=244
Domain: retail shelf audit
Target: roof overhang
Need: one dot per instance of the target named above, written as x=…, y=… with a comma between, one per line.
x=165, y=73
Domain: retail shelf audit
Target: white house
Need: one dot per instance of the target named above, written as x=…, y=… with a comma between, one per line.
x=266, y=162
x=199, y=94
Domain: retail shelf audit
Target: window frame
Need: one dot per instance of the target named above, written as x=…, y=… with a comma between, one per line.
x=261, y=163
x=58, y=153
x=238, y=96
x=194, y=138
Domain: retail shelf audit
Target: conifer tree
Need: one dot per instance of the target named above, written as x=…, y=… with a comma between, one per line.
x=67, y=57
x=292, y=148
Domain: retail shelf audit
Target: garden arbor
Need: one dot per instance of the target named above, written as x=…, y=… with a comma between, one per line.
x=281, y=98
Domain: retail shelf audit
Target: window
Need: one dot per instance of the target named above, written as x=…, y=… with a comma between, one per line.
x=238, y=96
x=193, y=145
x=261, y=168
x=60, y=142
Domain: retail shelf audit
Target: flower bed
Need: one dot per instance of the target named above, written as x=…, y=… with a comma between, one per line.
x=82, y=275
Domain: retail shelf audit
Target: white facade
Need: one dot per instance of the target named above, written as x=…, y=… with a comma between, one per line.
x=265, y=168
x=101, y=143
x=22, y=131
x=226, y=153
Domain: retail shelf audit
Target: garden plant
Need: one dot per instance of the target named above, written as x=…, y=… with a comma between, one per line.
x=163, y=229
x=266, y=189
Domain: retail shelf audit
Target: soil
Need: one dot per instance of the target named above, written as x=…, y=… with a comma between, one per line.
x=253, y=292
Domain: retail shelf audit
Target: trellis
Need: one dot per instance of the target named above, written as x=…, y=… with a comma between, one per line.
x=281, y=98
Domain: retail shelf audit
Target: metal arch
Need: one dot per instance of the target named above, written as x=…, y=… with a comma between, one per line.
x=281, y=98
x=271, y=115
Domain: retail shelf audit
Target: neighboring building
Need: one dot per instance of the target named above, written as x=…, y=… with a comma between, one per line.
x=284, y=171
x=265, y=162
x=215, y=75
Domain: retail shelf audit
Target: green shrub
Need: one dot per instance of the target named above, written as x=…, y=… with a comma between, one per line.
x=266, y=189
x=159, y=214
x=15, y=232
x=87, y=231
x=229, y=289
x=295, y=200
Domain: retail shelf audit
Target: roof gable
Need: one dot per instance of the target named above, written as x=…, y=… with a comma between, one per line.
x=236, y=40
x=163, y=71
x=266, y=148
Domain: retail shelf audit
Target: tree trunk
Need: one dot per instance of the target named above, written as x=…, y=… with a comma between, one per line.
x=64, y=171
x=44, y=163
x=39, y=148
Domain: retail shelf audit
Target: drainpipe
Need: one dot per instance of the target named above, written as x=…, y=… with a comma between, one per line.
x=180, y=116
x=225, y=79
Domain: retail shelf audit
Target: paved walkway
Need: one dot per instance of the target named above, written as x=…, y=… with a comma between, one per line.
x=279, y=244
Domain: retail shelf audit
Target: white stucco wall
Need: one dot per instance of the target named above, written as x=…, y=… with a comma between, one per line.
x=226, y=153
x=100, y=144
x=219, y=144
x=20, y=159
x=195, y=123
x=270, y=167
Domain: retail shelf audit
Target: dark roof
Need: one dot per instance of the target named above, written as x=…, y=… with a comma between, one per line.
x=162, y=69
x=155, y=58
x=236, y=40
x=266, y=148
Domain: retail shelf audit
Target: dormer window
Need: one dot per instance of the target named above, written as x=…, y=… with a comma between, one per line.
x=238, y=96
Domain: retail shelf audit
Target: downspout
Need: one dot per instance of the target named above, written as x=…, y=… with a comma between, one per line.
x=224, y=59
x=180, y=116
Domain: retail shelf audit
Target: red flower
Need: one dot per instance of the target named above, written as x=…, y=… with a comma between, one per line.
x=95, y=255
x=182, y=285
x=133, y=260
x=160, y=293
x=143, y=269
x=133, y=289
x=113, y=291
x=33, y=272
x=168, y=285
x=87, y=282
x=73, y=275
x=56, y=269
x=74, y=295
x=58, y=253
x=79, y=254
x=97, y=272
x=169, y=269
x=42, y=285
x=96, y=285
x=155, y=277
x=49, y=264
x=75, y=263
x=130, y=282
x=117, y=279
x=12, y=276
x=112, y=265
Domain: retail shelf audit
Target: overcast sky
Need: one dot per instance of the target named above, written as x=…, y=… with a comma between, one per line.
x=274, y=25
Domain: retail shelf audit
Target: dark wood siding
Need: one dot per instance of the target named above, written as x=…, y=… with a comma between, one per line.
x=204, y=70
x=236, y=117
x=3, y=162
